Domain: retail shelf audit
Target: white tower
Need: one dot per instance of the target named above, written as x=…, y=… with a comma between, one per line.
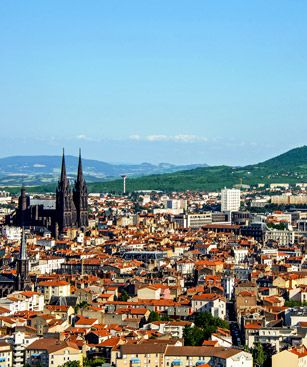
x=124, y=183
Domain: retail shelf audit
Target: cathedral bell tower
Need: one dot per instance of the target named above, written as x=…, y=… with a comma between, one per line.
x=80, y=197
x=65, y=208
x=23, y=281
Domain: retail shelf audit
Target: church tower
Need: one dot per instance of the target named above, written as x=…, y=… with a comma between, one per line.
x=23, y=200
x=80, y=196
x=65, y=208
x=22, y=213
x=23, y=281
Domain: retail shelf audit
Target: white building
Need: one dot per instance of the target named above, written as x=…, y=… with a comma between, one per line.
x=193, y=220
x=209, y=302
x=175, y=204
x=48, y=265
x=174, y=328
x=230, y=200
x=23, y=301
x=11, y=233
x=19, y=342
x=228, y=283
x=240, y=255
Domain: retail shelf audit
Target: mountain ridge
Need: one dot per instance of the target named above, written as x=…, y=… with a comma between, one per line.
x=289, y=167
x=35, y=170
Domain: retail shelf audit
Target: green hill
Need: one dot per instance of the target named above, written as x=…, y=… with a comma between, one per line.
x=290, y=167
x=295, y=158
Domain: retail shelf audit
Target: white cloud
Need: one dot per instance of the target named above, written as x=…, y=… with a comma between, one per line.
x=157, y=138
x=189, y=138
x=179, y=138
x=86, y=138
x=135, y=137
x=82, y=137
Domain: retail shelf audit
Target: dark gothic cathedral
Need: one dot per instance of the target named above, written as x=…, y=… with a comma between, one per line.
x=71, y=208
x=71, y=205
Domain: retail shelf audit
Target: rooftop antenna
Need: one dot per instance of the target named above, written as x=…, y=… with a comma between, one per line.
x=124, y=177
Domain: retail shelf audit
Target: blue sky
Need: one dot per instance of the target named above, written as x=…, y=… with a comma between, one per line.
x=160, y=81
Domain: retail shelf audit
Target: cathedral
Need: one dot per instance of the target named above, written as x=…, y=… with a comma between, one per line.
x=71, y=204
x=71, y=208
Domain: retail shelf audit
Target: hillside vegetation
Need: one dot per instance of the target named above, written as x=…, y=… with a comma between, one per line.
x=290, y=167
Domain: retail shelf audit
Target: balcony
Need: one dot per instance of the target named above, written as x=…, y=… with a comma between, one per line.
x=135, y=362
x=176, y=362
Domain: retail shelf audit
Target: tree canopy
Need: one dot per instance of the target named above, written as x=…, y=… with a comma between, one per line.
x=205, y=326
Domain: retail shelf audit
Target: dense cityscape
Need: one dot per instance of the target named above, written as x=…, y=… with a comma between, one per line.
x=149, y=278
x=153, y=183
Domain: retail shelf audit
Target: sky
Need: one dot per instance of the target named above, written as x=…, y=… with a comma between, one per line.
x=179, y=81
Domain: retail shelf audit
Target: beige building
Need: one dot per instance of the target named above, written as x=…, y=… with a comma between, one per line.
x=159, y=355
x=149, y=292
x=289, y=199
x=52, y=353
x=58, y=288
x=283, y=237
x=294, y=357
x=290, y=280
x=6, y=355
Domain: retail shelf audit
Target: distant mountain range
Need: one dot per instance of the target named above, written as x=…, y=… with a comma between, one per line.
x=39, y=170
x=290, y=167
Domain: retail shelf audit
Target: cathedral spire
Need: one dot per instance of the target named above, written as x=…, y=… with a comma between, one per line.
x=80, y=171
x=80, y=196
x=23, y=281
x=63, y=169
x=23, y=247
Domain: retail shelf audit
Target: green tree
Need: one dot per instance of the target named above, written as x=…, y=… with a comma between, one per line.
x=165, y=318
x=71, y=364
x=246, y=349
x=188, y=335
x=205, y=326
x=205, y=319
x=124, y=296
x=292, y=303
x=153, y=316
x=193, y=336
x=259, y=355
x=80, y=306
x=93, y=362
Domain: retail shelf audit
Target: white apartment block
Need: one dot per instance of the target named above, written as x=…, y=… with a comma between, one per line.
x=230, y=200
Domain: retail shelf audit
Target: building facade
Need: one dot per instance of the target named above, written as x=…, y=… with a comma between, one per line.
x=230, y=200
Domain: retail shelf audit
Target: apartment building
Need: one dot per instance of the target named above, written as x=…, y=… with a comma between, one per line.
x=159, y=355
x=52, y=353
x=230, y=200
